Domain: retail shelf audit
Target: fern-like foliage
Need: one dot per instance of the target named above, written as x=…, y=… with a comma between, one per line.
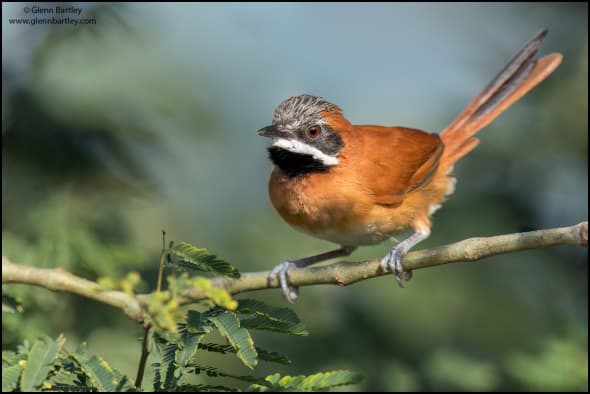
x=317, y=382
x=263, y=355
x=239, y=338
x=103, y=376
x=266, y=317
x=11, y=377
x=188, y=257
x=49, y=366
x=39, y=362
x=180, y=356
x=180, y=337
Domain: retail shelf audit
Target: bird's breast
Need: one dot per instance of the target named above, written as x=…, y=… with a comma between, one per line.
x=331, y=207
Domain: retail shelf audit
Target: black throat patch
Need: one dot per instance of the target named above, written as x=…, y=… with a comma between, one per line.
x=295, y=164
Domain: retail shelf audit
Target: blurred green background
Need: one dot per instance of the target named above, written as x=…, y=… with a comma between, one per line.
x=147, y=119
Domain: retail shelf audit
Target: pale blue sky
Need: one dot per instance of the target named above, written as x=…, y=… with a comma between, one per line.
x=414, y=65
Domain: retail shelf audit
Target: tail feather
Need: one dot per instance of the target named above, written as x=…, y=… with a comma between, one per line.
x=521, y=74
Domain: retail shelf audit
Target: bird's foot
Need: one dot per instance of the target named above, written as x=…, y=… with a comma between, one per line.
x=281, y=272
x=393, y=262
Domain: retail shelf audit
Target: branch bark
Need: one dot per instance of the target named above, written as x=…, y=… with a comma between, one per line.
x=340, y=273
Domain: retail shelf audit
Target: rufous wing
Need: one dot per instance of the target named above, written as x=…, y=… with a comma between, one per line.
x=397, y=161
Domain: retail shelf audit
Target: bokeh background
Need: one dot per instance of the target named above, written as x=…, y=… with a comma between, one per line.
x=147, y=120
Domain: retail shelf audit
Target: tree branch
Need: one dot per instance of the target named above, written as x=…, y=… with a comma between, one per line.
x=341, y=273
x=57, y=279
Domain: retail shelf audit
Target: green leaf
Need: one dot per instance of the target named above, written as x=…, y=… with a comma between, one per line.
x=157, y=384
x=67, y=376
x=81, y=350
x=269, y=324
x=240, y=339
x=66, y=388
x=262, y=354
x=185, y=255
x=176, y=355
x=104, y=377
x=176, y=363
x=39, y=362
x=25, y=348
x=177, y=352
x=216, y=348
x=198, y=323
x=187, y=347
x=319, y=381
x=216, y=373
x=10, y=376
x=10, y=358
x=49, y=366
x=169, y=368
x=196, y=388
x=270, y=318
x=272, y=357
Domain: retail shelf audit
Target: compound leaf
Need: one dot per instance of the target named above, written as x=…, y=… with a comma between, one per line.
x=40, y=361
x=187, y=256
x=266, y=317
x=319, y=381
x=229, y=326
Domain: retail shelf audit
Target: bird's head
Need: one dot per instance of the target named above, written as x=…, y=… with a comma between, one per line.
x=305, y=135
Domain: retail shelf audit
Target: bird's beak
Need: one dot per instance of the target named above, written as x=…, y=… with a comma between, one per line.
x=269, y=131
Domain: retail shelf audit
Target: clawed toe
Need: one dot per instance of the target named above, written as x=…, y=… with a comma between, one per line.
x=393, y=262
x=281, y=272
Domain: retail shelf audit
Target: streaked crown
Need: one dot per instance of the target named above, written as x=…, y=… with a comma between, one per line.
x=304, y=142
x=299, y=111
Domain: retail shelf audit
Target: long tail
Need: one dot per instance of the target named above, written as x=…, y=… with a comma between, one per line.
x=521, y=74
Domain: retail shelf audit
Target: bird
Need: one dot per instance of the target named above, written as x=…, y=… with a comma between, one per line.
x=356, y=185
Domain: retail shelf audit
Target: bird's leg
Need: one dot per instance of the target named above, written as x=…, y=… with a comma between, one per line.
x=393, y=260
x=281, y=270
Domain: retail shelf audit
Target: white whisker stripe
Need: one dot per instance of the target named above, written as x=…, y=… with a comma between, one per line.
x=305, y=149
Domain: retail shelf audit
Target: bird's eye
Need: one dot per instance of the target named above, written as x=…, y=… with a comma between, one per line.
x=313, y=131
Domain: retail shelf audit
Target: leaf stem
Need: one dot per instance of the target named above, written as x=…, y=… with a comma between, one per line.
x=162, y=257
x=146, y=327
x=144, y=356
